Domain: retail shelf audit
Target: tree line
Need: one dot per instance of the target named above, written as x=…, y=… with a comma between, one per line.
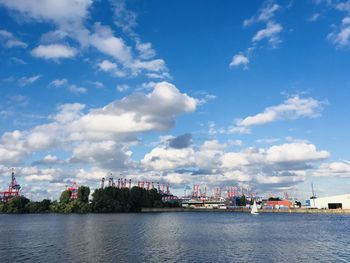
x=106, y=200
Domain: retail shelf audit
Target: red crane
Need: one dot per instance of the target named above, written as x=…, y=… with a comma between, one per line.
x=13, y=189
x=74, y=189
x=167, y=189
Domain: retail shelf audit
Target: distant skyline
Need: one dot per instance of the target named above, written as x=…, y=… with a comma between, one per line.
x=182, y=92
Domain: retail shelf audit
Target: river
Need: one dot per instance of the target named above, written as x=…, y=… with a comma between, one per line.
x=175, y=237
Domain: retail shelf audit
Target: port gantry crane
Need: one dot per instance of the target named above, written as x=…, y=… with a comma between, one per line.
x=13, y=189
x=74, y=189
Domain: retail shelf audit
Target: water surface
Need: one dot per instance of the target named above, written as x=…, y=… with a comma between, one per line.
x=175, y=237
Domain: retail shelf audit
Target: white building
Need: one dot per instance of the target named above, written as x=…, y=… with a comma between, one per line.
x=330, y=202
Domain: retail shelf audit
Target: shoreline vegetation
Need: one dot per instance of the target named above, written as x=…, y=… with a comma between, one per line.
x=124, y=200
x=106, y=200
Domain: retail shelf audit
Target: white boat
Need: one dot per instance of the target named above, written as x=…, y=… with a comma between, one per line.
x=254, y=210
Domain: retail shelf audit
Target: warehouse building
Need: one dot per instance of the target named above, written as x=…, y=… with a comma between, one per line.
x=330, y=202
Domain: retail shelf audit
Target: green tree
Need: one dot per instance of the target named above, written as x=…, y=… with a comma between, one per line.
x=243, y=200
x=83, y=194
x=65, y=196
x=17, y=205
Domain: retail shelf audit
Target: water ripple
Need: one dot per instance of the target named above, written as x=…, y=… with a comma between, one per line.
x=175, y=237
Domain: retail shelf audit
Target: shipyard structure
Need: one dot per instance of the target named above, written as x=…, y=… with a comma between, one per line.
x=329, y=202
x=13, y=189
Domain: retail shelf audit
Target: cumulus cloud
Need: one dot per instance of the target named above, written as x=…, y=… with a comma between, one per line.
x=106, y=154
x=104, y=40
x=181, y=141
x=138, y=113
x=12, y=148
x=161, y=159
x=62, y=12
x=54, y=51
x=295, y=152
x=240, y=60
x=334, y=169
x=277, y=166
x=111, y=67
x=291, y=109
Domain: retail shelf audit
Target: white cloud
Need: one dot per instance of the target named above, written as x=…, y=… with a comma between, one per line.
x=278, y=166
x=138, y=112
x=77, y=90
x=56, y=83
x=104, y=41
x=12, y=148
x=94, y=174
x=291, y=109
x=122, y=87
x=10, y=40
x=50, y=159
x=343, y=6
x=59, y=83
x=340, y=37
x=315, y=17
x=146, y=50
x=18, y=61
x=61, y=12
x=264, y=15
x=25, y=81
x=35, y=177
x=54, y=51
x=111, y=67
x=268, y=12
x=295, y=152
x=68, y=112
x=334, y=169
x=69, y=17
x=106, y=154
x=168, y=158
x=270, y=33
x=239, y=60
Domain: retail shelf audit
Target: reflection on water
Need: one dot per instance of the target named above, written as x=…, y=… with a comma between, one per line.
x=175, y=237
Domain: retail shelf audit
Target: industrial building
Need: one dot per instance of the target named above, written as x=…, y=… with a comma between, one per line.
x=330, y=202
x=279, y=204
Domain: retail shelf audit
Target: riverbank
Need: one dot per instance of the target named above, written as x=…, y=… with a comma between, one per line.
x=246, y=210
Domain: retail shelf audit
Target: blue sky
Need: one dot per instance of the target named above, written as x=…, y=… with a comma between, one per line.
x=218, y=94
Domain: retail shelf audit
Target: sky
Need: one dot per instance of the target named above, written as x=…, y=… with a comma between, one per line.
x=253, y=94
